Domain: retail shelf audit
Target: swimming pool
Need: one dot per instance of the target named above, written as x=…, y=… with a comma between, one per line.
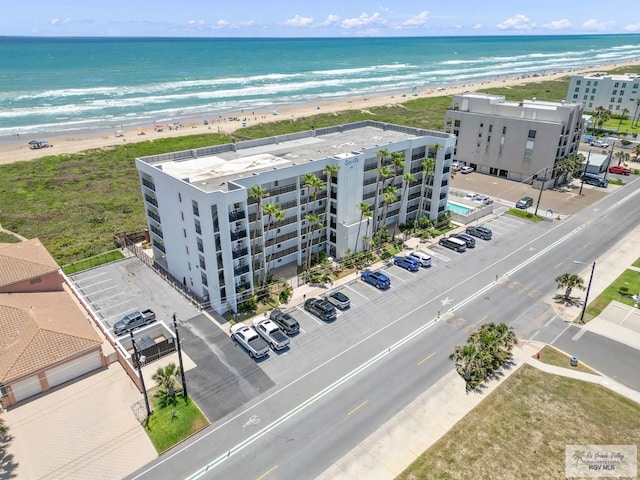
x=454, y=207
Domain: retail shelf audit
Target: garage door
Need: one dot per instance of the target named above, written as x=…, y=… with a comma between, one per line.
x=74, y=369
x=26, y=388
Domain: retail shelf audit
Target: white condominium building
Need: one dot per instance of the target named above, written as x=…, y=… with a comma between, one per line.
x=613, y=92
x=513, y=140
x=208, y=231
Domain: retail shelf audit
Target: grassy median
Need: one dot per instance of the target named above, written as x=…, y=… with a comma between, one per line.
x=520, y=430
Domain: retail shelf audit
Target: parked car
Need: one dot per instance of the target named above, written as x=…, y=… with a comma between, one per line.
x=524, y=202
x=408, y=262
x=593, y=179
x=321, y=309
x=455, y=166
x=377, y=279
x=134, y=320
x=599, y=144
x=466, y=169
x=480, y=232
x=423, y=258
x=338, y=300
x=250, y=340
x=270, y=331
x=620, y=169
x=468, y=239
x=289, y=325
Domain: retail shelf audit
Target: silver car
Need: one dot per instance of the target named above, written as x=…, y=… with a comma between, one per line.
x=338, y=299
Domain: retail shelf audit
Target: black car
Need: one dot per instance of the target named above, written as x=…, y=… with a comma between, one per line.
x=289, y=325
x=480, y=232
x=321, y=309
x=524, y=202
x=468, y=239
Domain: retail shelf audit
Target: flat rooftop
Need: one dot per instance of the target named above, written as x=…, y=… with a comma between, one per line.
x=212, y=171
x=616, y=76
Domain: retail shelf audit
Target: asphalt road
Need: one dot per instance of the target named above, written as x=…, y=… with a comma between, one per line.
x=327, y=400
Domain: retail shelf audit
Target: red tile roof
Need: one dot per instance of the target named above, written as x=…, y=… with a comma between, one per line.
x=24, y=260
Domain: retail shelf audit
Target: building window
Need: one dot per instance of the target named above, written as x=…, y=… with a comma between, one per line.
x=595, y=84
x=196, y=210
x=615, y=92
x=577, y=89
x=33, y=281
x=532, y=134
x=621, y=93
x=200, y=245
x=186, y=248
x=592, y=98
x=619, y=101
x=456, y=123
x=588, y=83
x=196, y=224
x=504, y=130
x=182, y=216
x=179, y=197
x=490, y=128
x=203, y=264
x=575, y=96
x=203, y=277
x=585, y=97
x=481, y=125
x=617, y=107
x=184, y=232
x=613, y=99
x=578, y=82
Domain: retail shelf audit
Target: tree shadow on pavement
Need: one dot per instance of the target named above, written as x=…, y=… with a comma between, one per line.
x=7, y=464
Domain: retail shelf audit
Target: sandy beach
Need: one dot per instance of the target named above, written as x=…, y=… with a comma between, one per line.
x=19, y=150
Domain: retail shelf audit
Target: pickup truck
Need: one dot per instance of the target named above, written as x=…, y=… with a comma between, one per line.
x=377, y=279
x=271, y=332
x=250, y=340
x=134, y=320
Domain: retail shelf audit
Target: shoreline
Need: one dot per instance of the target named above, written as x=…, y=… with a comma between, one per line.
x=17, y=149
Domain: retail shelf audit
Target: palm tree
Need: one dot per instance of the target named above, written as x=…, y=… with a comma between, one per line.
x=384, y=173
x=312, y=220
x=389, y=197
x=407, y=179
x=623, y=116
x=569, y=281
x=330, y=171
x=636, y=152
x=365, y=211
x=470, y=364
x=428, y=168
x=635, y=114
x=602, y=115
x=258, y=192
x=165, y=377
x=273, y=212
x=397, y=160
x=621, y=157
x=382, y=155
x=313, y=184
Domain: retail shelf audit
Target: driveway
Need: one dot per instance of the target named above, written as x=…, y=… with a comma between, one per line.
x=83, y=430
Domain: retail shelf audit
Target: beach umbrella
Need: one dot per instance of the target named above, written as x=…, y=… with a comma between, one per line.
x=43, y=142
x=33, y=142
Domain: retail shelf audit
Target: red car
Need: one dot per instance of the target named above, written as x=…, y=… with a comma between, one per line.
x=619, y=169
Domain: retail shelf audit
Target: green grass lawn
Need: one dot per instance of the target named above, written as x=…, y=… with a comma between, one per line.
x=626, y=284
x=520, y=430
x=169, y=426
x=92, y=262
x=517, y=212
x=553, y=356
x=6, y=238
x=543, y=90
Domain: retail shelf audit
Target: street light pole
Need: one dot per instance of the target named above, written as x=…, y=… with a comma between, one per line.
x=136, y=357
x=585, y=171
x=184, y=381
x=541, y=188
x=586, y=297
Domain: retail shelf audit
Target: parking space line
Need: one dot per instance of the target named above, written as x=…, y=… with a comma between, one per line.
x=394, y=276
x=355, y=291
x=112, y=296
x=120, y=314
x=308, y=314
x=89, y=277
x=115, y=305
x=94, y=284
x=98, y=291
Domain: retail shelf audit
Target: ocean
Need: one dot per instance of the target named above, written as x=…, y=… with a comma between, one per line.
x=67, y=84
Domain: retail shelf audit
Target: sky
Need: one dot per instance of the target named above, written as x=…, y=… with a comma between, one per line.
x=316, y=18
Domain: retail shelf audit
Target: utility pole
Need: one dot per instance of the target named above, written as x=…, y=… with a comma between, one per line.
x=136, y=359
x=184, y=381
x=541, y=188
x=609, y=157
x=586, y=297
x=585, y=171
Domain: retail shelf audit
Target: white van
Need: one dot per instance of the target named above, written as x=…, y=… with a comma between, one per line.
x=423, y=258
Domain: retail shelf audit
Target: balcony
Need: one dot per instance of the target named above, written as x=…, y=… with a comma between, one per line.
x=241, y=270
x=159, y=246
x=242, y=286
x=154, y=216
x=149, y=184
x=240, y=252
x=238, y=235
x=157, y=231
x=236, y=215
x=151, y=200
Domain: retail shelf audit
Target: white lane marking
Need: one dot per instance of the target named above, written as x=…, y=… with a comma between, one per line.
x=309, y=314
x=84, y=287
x=356, y=292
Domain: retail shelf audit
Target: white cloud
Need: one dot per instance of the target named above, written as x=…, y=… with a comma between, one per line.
x=419, y=20
x=517, y=22
x=59, y=21
x=196, y=23
x=299, y=21
x=477, y=26
x=220, y=24
x=330, y=20
x=634, y=27
x=361, y=21
x=557, y=24
x=596, y=25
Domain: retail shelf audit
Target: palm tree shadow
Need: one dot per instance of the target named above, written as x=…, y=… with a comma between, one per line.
x=8, y=466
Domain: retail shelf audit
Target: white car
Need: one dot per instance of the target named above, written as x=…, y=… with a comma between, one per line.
x=250, y=340
x=599, y=144
x=270, y=331
x=423, y=258
x=466, y=170
x=455, y=166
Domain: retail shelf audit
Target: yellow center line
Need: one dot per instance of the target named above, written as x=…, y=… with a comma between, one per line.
x=558, y=265
x=358, y=407
x=426, y=358
x=586, y=245
x=481, y=320
x=267, y=472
